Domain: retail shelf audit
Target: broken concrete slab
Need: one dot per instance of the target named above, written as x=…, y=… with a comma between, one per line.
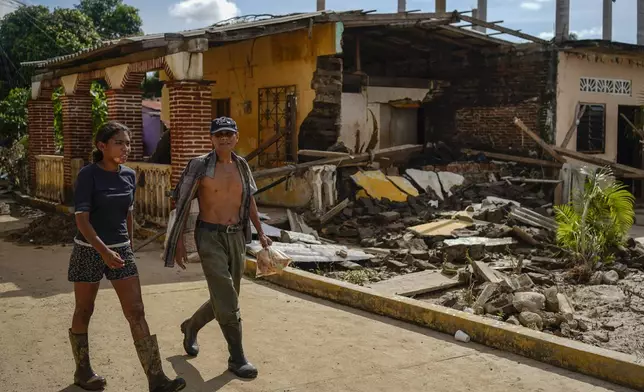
x=450, y=180
x=427, y=181
x=415, y=283
x=442, y=228
x=404, y=185
x=377, y=186
x=308, y=253
x=269, y=230
x=291, y=237
x=487, y=242
x=484, y=297
x=486, y=273
x=388, y=216
x=565, y=305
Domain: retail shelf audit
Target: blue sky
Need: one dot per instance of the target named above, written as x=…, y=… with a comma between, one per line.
x=531, y=16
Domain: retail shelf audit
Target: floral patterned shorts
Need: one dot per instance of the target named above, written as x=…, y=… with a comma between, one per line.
x=86, y=265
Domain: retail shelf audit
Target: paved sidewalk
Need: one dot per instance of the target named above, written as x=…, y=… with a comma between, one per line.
x=299, y=343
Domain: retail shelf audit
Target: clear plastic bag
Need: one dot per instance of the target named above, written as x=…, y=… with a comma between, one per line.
x=271, y=261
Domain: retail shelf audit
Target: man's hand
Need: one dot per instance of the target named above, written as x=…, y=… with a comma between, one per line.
x=180, y=256
x=265, y=241
x=113, y=260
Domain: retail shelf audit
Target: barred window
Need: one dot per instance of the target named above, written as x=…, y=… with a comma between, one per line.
x=591, y=131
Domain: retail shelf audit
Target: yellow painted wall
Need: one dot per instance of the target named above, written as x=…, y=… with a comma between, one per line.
x=240, y=69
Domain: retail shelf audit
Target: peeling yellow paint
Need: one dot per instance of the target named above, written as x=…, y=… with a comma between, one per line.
x=403, y=184
x=293, y=193
x=376, y=184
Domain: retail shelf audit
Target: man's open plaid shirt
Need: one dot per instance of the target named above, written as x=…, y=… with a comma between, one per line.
x=186, y=191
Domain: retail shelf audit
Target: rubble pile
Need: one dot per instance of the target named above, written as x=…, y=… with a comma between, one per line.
x=496, y=240
x=48, y=229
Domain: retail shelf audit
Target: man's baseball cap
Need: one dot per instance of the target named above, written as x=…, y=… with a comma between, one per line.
x=223, y=124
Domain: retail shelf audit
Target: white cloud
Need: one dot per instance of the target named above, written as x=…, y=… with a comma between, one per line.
x=206, y=11
x=594, y=32
x=532, y=6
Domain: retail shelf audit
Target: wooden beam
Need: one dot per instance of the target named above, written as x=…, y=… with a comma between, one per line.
x=502, y=29
x=339, y=161
x=638, y=131
x=323, y=154
x=513, y=158
x=573, y=127
x=262, y=147
x=539, y=141
x=598, y=161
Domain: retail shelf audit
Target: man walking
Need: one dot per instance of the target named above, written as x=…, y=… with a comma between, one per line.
x=224, y=185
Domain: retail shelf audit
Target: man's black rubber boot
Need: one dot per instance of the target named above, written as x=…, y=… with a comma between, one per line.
x=191, y=326
x=237, y=363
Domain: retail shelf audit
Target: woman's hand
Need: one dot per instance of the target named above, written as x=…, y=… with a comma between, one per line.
x=113, y=260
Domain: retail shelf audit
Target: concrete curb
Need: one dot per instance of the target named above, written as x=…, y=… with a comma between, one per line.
x=608, y=365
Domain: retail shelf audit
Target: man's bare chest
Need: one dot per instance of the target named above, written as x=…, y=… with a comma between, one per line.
x=227, y=180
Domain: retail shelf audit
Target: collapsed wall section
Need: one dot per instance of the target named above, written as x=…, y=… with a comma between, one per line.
x=321, y=128
x=478, y=108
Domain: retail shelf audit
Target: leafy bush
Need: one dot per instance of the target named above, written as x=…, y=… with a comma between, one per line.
x=13, y=116
x=13, y=163
x=596, y=221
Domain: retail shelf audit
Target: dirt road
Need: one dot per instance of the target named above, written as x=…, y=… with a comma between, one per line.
x=298, y=343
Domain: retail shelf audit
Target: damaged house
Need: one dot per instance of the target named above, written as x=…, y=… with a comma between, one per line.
x=354, y=81
x=303, y=81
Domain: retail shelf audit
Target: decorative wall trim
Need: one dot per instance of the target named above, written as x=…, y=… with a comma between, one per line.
x=606, y=86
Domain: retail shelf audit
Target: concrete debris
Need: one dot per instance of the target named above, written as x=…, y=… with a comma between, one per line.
x=484, y=272
x=487, y=242
x=450, y=180
x=513, y=320
x=529, y=301
x=531, y=320
x=610, y=277
x=427, y=181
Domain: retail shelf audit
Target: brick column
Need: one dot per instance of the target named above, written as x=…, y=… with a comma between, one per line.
x=190, y=112
x=77, y=133
x=40, y=126
x=124, y=106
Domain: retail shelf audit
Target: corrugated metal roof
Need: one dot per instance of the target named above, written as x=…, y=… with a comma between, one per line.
x=224, y=26
x=249, y=22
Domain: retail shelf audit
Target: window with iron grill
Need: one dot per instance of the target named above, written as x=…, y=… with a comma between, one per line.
x=220, y=108
x=591, y=131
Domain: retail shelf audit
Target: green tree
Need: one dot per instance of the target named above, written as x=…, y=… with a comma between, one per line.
x=34, y=33
x=152, y=85
x=112, y=18
x=13, y=116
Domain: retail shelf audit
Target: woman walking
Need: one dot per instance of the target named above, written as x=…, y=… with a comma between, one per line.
x=104, y=199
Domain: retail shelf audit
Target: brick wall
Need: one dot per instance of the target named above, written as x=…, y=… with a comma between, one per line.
x=321, y=128
x=478, y=107
x=77, y=133
x=190, y=112
x=493, y=127
x=40, y=125
x=125, y=106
